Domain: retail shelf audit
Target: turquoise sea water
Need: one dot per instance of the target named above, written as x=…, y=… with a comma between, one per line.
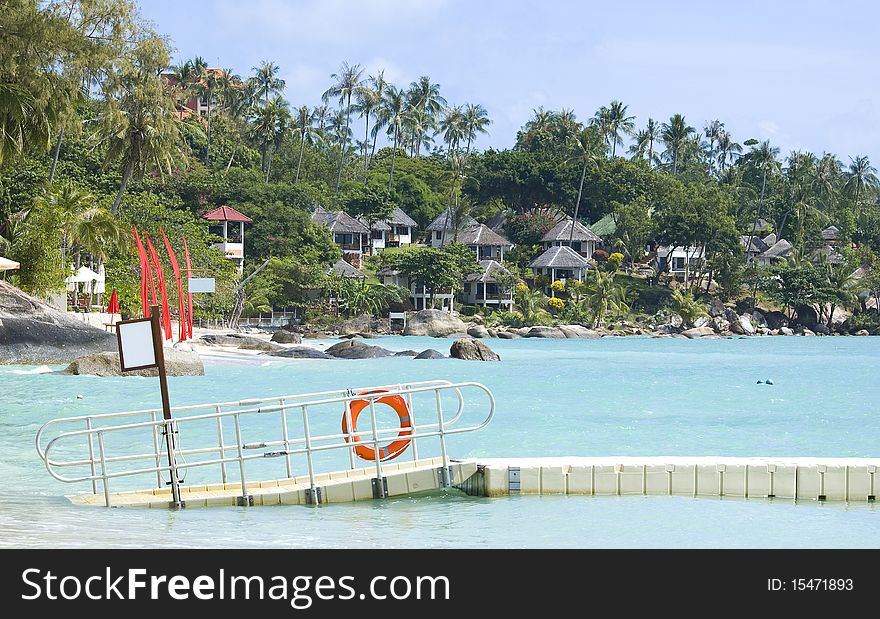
x=615, y=396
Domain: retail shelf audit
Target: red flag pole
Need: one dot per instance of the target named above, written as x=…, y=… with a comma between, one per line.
x=160, y=275
x=181, y=324
x=189, y=296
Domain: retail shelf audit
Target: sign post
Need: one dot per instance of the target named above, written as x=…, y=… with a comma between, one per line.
x=140, y=348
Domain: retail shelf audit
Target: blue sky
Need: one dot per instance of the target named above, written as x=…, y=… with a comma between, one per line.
x=802, y=74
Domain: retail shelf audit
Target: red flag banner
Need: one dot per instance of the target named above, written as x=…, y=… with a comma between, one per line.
x=189, y=296
x=160, y=275
x=180, y=300
x=145, y=271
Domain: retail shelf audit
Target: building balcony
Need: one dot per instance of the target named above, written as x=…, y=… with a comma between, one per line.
x=232, y=251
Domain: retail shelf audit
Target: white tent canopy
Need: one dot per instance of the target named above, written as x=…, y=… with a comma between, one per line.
x=8, y=265
x=84, y=275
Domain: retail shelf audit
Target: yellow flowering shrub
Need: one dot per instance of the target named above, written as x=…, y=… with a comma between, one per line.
x=556, y=303
x=522, y=288
x=558, y=286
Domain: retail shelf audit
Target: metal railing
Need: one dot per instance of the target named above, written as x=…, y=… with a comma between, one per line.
x=94, y=430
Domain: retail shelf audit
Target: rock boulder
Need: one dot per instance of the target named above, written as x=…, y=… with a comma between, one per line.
x=355, y=349
x=478, y=331
x=698, y=332
x=579, y=332
x=430, y=354
x=550, y=332
x=472, y=350
x=282, y=336
x=300, y=352
x=433, y=323
x=33, y=332
x=177, y=363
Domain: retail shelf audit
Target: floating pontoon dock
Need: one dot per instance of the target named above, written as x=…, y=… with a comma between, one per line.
x=301, y=465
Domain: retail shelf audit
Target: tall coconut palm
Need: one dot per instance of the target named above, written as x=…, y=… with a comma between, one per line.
x=268, y=125
x=204, y=82
x=266, y=82
x=426, y=102
x=618, y=123
x=303, y=125
x=712, y=130
x=727, y=150
x=338, y=129
x=476, y=120
x=137, y=123
x=393, y=113
x=675, y=135
x=379, y=85
x=859, y=178
x=827, y=180
x=24, y=123
x=452, y=126
x=344, y=86
x=238, y=103
x=644, y=142
x=367, y=102
x=763, y=157
x=587, y=154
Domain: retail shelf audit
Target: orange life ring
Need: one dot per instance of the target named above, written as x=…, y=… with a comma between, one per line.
x=392, y=449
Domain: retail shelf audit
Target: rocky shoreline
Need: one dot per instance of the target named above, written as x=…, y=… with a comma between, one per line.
x=722, y=321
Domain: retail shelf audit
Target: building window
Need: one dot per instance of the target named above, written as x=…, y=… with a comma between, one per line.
x=576, y=245
x=438, y=235
x=377, y=235
x=403, y=230
x=344, y=239
x=678, y=263
x=491, y=289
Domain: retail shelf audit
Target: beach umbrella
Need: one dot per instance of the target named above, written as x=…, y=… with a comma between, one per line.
x=113, y=305
x=8, y=265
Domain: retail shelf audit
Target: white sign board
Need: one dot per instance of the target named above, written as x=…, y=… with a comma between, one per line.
x=136, y=349
x=200, y=284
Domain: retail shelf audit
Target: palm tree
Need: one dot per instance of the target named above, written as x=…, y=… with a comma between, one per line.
x=393, y=112
x=238, y=103
x=24, y=123
x=860, y=177
x=266, y=82
x=827, y=179
x=675, y=135
x=268, y=125
x=727, y=150
x=618, y=122
x=344, y=86
x=585, y=153
x=763, y=158
x=138, y=123
x=712, y=130
x=452, y=125
x=303, y=125
x=644, y=142
x=476, y=120
x=181, y=85
x=604, y=295
x=378, y=84
x=687, y=307
x=367, y=102
x=426, y=102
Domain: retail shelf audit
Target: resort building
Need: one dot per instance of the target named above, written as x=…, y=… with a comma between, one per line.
x=560, y=263
x=193, y=105
x=396, y=231
x=679, y=261
x=420, y=296
x=442, y=229
x=582, y=239
x=753, y=246
x=831, y=235
x=485, y=242
x=352, y=236
x=481, y=288
x=228, y=224
x=343, y=269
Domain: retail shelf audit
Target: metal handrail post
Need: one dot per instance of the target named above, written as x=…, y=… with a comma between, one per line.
x=285, y=436
x=245, y=499
x=221, y=445
x=351, y=435
x=444, y=473
x=379, y=489
x=176, y=503
x=91, y=455
x=103, y=469
x=158, y=451
x=412, y=425
x=312, y=497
